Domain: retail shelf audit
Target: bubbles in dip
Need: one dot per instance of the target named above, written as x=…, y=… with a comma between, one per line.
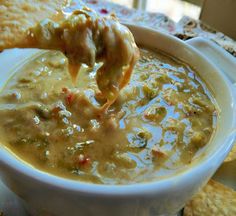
x=154, y=129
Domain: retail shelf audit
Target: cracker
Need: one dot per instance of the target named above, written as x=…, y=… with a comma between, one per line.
x=232, y=154
x=214, y=199
x=16, y=16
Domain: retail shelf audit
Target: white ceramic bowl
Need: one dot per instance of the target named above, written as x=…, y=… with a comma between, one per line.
x=45, y=194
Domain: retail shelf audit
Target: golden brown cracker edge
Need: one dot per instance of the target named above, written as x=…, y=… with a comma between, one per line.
x=214, y=199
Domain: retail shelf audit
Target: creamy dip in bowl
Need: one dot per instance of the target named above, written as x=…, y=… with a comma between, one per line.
x=157, y=195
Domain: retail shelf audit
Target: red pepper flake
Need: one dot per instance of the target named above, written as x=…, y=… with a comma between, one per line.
x=69, y=95
x=82, y=160
x=70, y=98
x=103, y=11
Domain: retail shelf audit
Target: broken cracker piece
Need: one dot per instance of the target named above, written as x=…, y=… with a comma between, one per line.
x=214, y=199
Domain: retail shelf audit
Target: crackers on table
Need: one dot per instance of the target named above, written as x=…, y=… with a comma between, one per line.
x=214, y=199
x=16, y=16
x=232, y=154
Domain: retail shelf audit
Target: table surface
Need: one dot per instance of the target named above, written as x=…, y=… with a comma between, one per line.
x=185, y=29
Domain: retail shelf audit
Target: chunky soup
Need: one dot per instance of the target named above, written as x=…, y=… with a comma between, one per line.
x=160, y=120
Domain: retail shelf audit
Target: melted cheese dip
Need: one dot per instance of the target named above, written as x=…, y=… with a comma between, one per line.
x=160, y=120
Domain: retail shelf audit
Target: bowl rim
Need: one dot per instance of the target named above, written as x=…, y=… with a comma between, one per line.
x=8, y=159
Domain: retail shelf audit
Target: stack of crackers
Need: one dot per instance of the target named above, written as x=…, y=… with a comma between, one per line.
x=214, y=199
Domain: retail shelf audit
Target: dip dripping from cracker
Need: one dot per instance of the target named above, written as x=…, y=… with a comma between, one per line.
x=82, y=35
x=86, y=38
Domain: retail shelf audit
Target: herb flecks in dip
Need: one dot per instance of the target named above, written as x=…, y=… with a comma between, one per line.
x=154, y=129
